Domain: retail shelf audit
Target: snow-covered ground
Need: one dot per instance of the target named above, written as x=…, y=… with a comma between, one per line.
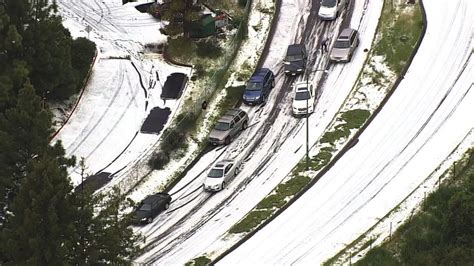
x=427, y=117
x=197, y=221
x=124, y=86
x=250, y=49
x=399, y=145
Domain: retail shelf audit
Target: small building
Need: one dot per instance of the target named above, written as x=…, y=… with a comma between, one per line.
x=207, y=24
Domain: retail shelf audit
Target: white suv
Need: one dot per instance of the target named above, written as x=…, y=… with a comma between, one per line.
x=303, y=97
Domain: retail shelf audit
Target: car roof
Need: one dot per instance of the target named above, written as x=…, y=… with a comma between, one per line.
x=345, y=33
x=155, y=197
x=294, y=48
x=223, y=163
x=301, y=84
x=301, y=88
x=225, y=119
x=229, y=115
x=259, y=75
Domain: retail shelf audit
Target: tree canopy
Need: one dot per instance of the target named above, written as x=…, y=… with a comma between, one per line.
x=42, y=220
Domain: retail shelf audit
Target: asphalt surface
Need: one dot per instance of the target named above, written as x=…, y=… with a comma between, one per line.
x=155, y=121
x=174, y=86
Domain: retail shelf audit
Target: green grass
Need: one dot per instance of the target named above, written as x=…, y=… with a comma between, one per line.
x=379, y=256
x=320, y=160
x=199, y=261
x=272, y=201
x=442, y=233
x=251, y=220
x=351, y=119
x=393, y=27
x=182, y=49
x=292, y=186
x=266, y=207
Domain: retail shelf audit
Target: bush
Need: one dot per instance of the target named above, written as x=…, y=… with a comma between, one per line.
x=242, y=3
x=181, y=48
x=172, y=138
x=379, y=256
x=209, y=49
x=159, y=160
x=82, y=54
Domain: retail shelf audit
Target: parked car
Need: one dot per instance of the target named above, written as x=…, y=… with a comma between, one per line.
x=258, y=87
x=150, y=207
x=345, y=46
x=303, y=97
x=228, y=126
x=221, y=174
x=330, y=9
x=295, y=60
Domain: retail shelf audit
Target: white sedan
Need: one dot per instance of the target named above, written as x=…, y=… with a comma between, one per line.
x=304, y=99
x=220, y=174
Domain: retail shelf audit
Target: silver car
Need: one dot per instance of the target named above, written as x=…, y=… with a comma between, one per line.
x=221, y=174
x=228, y=126
x=345, y=46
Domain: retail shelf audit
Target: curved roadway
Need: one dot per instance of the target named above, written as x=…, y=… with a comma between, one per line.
x=270, y=148
x=429, y=114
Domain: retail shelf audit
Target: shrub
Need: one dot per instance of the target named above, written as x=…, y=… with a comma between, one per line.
x=242, y=3
x=172, y=138
x=209, y=49
x=159, y=160
x=82, y=53
x=181, y=48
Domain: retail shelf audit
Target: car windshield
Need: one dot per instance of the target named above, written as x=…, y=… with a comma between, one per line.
x=302, y=95
x=328, y=3
x=292, y=58
x=254, y=86
x=145, y=207
x=214, y=173
x=342, y=44
x=222, y=126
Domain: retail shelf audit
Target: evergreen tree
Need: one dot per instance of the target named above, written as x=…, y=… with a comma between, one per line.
x=46, y=223
x=179, y=14
x=40, y=231
x=24, y=134
x=105, y=237
x=47, y=49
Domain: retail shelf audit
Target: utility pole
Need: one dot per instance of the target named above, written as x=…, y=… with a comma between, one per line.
x=307, y=112
x=307, y=123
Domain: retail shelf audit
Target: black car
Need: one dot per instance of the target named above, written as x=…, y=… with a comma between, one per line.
x=295, y=60
x=150, y=207
x=259, y=86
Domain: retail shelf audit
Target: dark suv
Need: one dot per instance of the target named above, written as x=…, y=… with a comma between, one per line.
x=228, y=126
x=259, y=86
x=150, y=207
x=295, y=60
